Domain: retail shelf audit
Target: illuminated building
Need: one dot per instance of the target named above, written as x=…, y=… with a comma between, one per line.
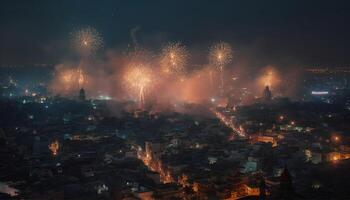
x=264, y=139
x=337, y=156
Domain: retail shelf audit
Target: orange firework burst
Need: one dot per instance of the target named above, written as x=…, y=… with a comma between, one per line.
x=87, y=40
x=138, y=79
x=174, y=58
x=220, y=55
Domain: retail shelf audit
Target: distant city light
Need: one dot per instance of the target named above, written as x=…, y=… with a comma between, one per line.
x=54, y=146
x=336, y=138
x=335, y=158
x=319, y=92
x=104, y=97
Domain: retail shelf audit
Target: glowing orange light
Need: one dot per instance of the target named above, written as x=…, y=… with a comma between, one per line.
x=336, y=138
x=138, y=79
x=269, y=77
x=219, y=56
x=54, y=146
x=81, y=78
x=67, y=76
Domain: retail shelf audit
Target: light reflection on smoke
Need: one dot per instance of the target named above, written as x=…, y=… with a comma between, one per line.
x=105, y=78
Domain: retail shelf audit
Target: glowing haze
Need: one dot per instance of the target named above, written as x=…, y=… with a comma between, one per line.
x=165, y=79
x=269, y=76
x=137, y=79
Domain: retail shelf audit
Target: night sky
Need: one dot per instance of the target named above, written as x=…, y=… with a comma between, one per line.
x=307, y=32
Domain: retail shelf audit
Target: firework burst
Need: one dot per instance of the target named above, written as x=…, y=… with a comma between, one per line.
x=220, y=55
x=80, y=77
x=87, y=41
x=174, y=58
x=138, y=78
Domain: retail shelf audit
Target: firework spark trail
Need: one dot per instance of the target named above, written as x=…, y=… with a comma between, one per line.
x=174, y=58
x=221, y=55
x=211, y=79
x=138, y=78
x=86, y=41
x=81, y=78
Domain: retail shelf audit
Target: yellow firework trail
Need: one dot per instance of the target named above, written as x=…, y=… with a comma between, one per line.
x=138, y=78
x=220, y=55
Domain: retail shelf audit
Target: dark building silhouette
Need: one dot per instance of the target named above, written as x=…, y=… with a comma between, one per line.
x=267, y=94
x=286, y=190
x=82, y=94
x=3, y=139
x=262, y=189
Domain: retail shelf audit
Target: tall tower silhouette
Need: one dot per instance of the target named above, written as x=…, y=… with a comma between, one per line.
x=267, y=94
x=82, y=94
